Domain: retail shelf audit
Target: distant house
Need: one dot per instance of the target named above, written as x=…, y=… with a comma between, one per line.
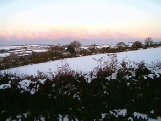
x=113, y=46
x=29, y=52
x=38, y=47
x=129, y=44
x=22, y=52
x=84, y=48
x=39, y=50
x=107, y=45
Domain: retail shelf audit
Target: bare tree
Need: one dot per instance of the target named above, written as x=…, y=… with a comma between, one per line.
x=75, y=44
x=148, y=41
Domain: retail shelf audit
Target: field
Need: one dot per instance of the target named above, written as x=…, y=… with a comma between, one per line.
x=88, y=63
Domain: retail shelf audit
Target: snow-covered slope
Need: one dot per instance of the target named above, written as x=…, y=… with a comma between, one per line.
x=88, y=63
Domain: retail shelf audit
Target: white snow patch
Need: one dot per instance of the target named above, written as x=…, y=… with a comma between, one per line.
x=5, y=86
x=158, y=119
x=151, y=76
x=143, y=116
x=114, y=75
x=120, y=112
x=24, y=84
x=42, y=81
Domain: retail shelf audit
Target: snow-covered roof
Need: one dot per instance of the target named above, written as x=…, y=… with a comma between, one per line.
x=105, y=46
x=28, y=51
x=41, y=50
x=20, y=50
x=9, y=47
x=84, y=47
x=34, y=45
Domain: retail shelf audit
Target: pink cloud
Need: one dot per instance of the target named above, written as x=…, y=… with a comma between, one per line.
x=65, y=33
x=110, y=35
x=141, y=35
x=17, y=35
x=159, y=36
x=29, y=35
x=4, y=35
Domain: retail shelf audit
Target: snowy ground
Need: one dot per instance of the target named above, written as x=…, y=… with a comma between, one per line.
x=88, y=63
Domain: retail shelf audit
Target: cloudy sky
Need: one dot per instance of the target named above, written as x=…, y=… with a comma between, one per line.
x=92, y=21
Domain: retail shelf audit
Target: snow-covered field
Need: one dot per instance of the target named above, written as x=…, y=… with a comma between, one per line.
x=88, y=63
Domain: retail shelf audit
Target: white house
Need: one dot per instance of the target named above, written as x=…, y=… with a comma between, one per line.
x=129, y=44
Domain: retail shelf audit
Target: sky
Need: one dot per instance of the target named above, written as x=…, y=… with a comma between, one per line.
x=90, y=22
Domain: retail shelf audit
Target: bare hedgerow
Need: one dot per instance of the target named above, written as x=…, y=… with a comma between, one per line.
x=65, y=73
x=42, y=75
x=109, y=65
x=106, y=66
x=155, y=65
x=63, y=69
